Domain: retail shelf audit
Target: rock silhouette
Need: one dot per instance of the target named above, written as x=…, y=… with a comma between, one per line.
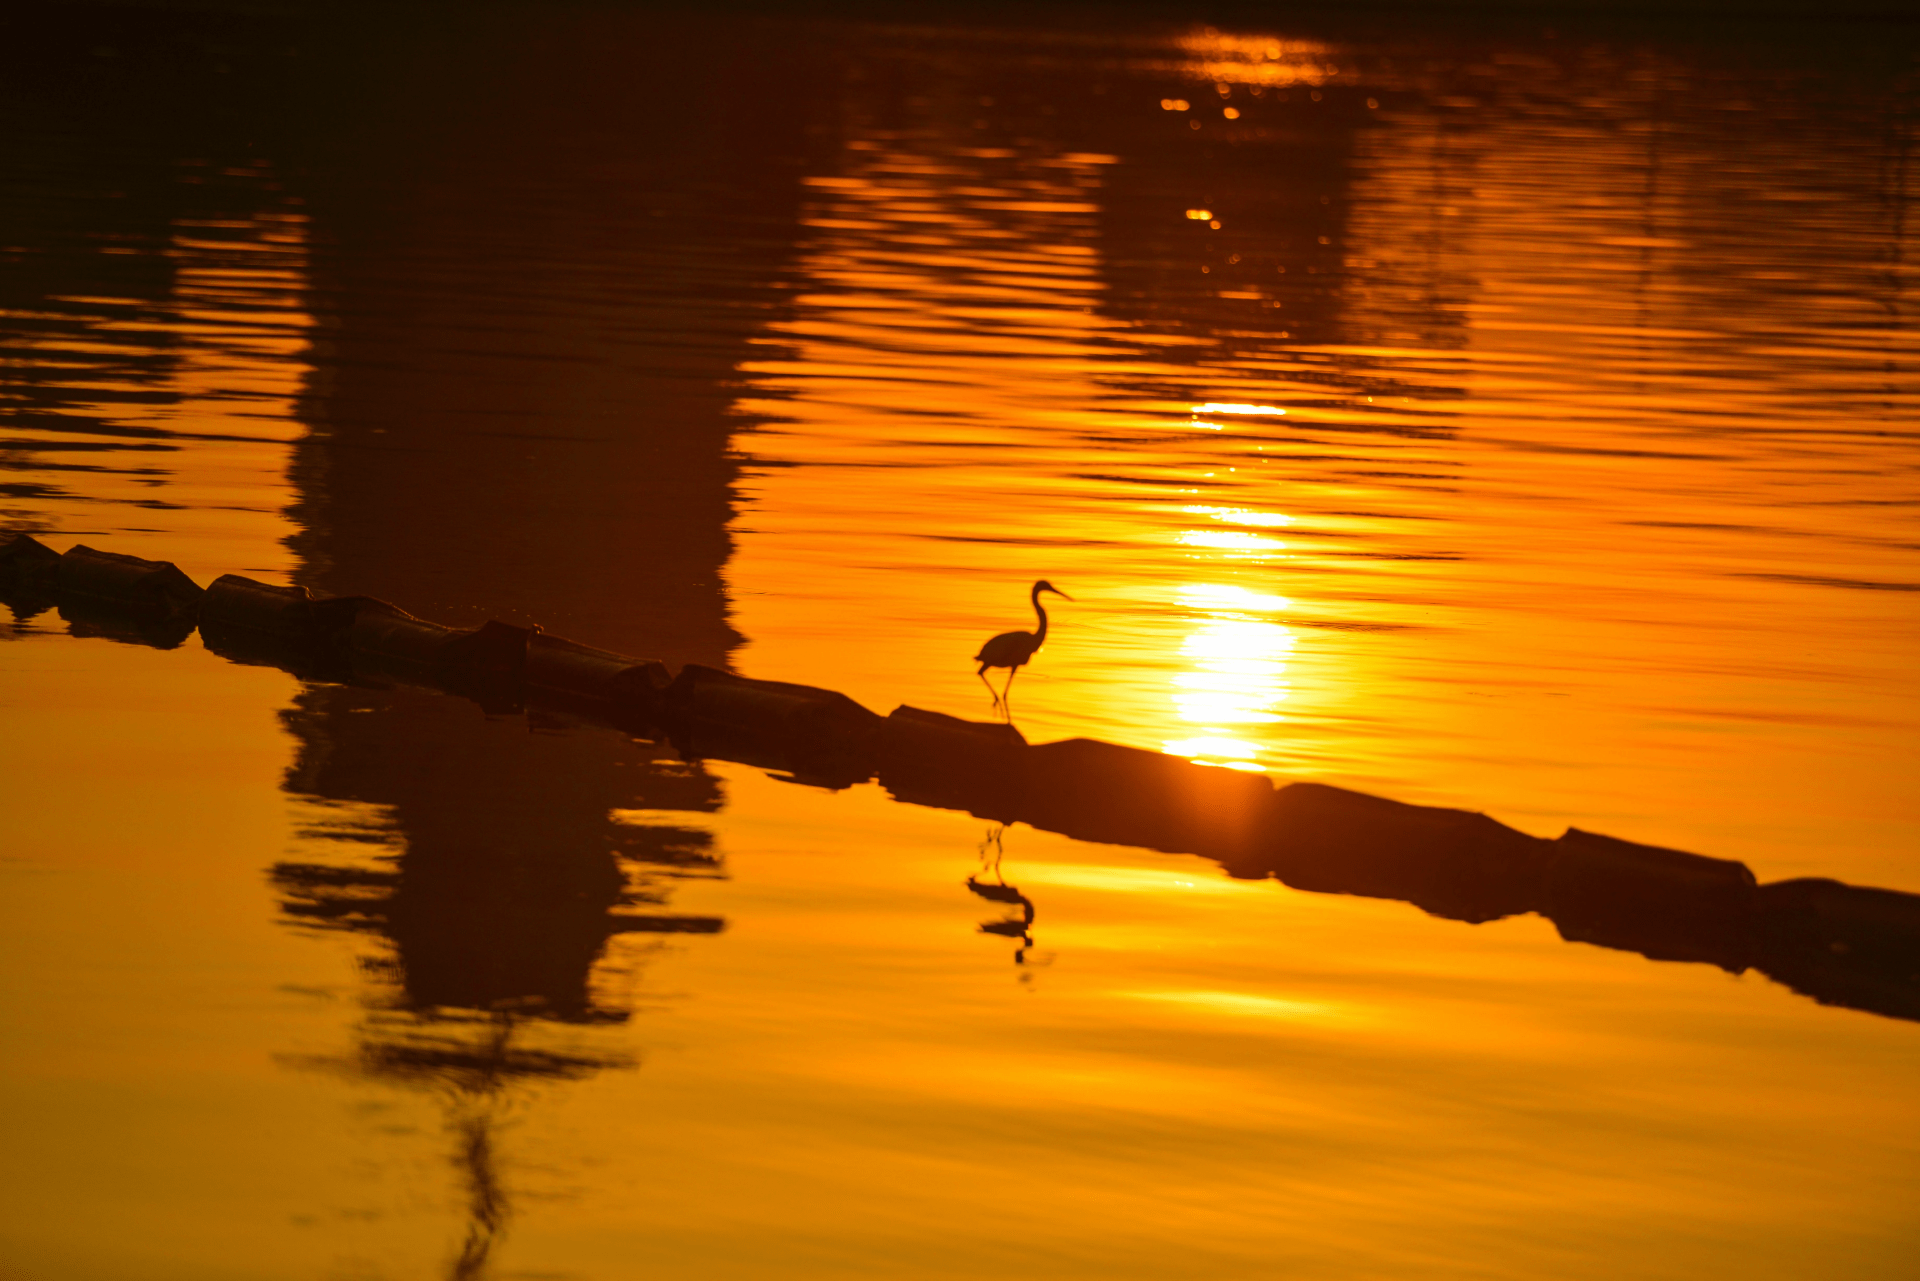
x=1840, y=944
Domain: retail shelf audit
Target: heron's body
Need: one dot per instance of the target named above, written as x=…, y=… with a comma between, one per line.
x=1012, y=650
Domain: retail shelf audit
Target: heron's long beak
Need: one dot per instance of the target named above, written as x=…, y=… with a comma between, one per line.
x=1057, y=592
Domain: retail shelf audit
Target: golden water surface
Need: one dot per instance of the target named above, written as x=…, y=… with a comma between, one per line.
x=1521, y=421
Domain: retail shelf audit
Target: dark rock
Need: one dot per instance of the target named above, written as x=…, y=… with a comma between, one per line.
x=1451, y=863
x=1664, y=904
x=623, y=690
x=251, y=622
x=487, y=663
x=154, y=588
x=87, y=616
x=928, y=758
x=303, y=657
x=1098, y=791
x=1842, y=944
x=236, y=601
x=27, y=567
x=816, y=735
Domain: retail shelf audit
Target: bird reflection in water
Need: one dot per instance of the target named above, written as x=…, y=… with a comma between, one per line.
x=998, y=891
x=1012, y=650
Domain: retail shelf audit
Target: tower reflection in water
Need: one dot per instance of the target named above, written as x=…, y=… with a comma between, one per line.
x=529, y=297
x=495, y=865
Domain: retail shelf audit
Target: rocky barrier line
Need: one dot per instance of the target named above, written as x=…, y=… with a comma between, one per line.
x=1839, y=944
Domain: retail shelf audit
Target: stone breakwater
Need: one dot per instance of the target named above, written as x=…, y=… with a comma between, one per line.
x=1840, y=944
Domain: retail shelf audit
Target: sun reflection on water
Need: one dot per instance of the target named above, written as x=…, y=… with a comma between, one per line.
x=1243, y=1005
x=1215, y=407
x=1234, y=673
x=1239, y=515
x=1256, y=60
x=1237, y=540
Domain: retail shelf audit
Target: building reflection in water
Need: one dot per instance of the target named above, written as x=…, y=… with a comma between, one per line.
x=152, y=273
x=528, y=300
x=501, y=871
x=531, y=297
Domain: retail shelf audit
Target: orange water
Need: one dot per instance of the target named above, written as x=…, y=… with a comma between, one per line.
x=1532, y=434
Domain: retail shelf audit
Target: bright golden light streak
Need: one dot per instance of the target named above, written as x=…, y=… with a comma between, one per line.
x=1229, y=540
x=1244, y=1004
x=1239, y=515
x=1215, y=407
x=1222, y=596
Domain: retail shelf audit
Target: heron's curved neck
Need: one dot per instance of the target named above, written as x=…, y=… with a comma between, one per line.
x=1042, y=633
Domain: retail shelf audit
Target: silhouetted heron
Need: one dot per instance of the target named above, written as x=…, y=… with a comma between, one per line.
x=1011, y=650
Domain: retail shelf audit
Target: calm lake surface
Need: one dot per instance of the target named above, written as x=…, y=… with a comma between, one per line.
x=1518, y=419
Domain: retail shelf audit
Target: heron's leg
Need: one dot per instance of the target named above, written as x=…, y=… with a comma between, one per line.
x=982, y=674
x=1008, y=689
